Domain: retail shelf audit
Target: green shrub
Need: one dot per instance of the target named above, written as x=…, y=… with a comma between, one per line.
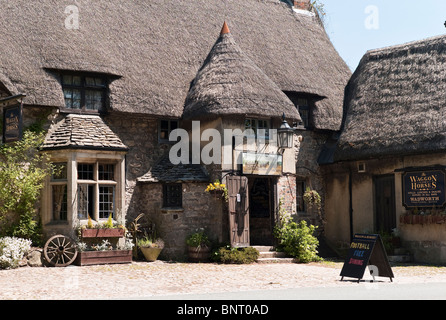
x=297, y=240
x=23, y=170
x=232, y=255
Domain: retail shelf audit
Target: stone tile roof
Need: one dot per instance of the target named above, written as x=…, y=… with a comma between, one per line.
x=82, y=132
x=165, y=171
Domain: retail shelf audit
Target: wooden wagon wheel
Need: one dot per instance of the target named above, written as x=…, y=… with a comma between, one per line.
x=60, y=251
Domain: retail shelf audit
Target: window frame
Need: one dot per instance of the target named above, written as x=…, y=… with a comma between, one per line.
x=169, y=129
x=167, y=195
x=304, y=108
x=96, y=184
x=59, y=181
x=302, y=183
x=83, y=87
x=256, y=127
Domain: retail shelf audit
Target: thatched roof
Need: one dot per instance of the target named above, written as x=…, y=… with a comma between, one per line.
x=82, y=132
x=229, y=83
x=395, y=102
x=156, y=48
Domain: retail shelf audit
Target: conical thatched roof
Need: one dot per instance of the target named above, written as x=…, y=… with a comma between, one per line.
x=395, y=102
x=229, y=83
x=156, y=48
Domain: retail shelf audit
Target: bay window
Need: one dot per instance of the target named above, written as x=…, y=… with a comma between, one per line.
x=86, y=184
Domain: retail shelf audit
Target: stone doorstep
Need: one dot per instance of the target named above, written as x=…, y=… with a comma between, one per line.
x=401, y=258
x=269, y=255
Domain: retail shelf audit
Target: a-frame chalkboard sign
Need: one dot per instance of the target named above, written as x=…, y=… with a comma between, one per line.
x=366, y=249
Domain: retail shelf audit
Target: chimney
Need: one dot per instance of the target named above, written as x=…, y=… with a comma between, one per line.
x=302, y=5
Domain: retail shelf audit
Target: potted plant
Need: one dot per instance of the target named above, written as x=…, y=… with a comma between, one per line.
x=150, y=247
x=218, y=189
x=199, y=249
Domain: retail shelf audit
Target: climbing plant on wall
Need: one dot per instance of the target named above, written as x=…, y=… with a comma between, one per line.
x=23, y=170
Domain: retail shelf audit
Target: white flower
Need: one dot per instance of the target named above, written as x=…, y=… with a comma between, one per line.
x=12, y=250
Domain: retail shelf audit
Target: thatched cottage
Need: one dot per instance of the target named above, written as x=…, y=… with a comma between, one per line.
x=387, y=169
x=112, y=80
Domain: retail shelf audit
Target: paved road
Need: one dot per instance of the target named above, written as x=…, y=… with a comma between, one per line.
x=161, y=280
x=363, y=291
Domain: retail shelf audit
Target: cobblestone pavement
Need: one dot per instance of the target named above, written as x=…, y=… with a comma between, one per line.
x=155, y=279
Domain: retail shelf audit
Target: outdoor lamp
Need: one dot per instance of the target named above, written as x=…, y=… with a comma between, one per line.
x=285, y=135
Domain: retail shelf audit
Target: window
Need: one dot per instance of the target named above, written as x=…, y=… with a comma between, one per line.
x=59, y=192
x=165, y=128
x=260, y=127
x=173, y=195
x=84, y=184
x=106, y=201
x=84, y=93
x=304, y=111
x=96, y=190
x=301, y=187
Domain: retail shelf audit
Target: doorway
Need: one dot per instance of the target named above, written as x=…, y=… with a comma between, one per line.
x=251, y=210
x=261, y=201
x=385, y=209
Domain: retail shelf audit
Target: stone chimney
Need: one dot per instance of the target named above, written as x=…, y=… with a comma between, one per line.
x=302, y=4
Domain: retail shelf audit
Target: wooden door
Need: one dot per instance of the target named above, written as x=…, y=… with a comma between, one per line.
x=238, y=210
x=385, y=216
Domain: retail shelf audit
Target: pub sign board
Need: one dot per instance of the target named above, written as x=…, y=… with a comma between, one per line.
x=12, y=123
x=262, y=164
x=424, y=189
x=366, y=249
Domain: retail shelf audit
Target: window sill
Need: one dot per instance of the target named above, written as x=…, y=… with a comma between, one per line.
x=172, y=210
x=167, y=142
x=57, y=223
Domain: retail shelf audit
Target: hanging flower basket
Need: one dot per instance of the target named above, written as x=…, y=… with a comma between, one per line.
x=218, y=189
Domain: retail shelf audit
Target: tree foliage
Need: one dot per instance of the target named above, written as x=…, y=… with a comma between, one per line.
x=23, y=170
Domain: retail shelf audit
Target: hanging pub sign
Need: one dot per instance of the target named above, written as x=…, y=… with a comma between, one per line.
x=12, y=118
x=12, y=123
x=424, y=189
x=262, y=164
x=365, y=250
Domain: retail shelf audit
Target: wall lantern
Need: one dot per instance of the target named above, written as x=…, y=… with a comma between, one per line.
x=285, y=135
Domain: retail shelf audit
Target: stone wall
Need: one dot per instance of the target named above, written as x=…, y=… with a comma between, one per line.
x=140, y=134
x=308, y=170
x=200, y=210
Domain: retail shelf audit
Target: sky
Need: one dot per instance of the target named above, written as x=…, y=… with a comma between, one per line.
x=356, y=26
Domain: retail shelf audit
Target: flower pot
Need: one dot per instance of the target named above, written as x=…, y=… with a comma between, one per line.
x=87, y=258
x=102, y=233
x=199, y=254
x=151, y=254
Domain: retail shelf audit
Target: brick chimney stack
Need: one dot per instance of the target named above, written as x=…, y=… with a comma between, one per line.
x=302, y=4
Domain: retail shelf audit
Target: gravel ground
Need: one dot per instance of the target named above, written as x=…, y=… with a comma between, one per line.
x=155, y=279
